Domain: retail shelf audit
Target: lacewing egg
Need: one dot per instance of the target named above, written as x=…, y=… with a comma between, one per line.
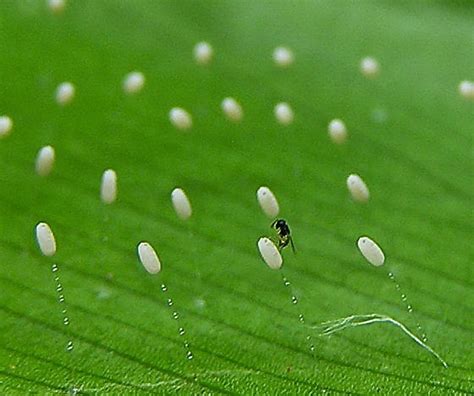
x=270, y=253
x=466, y=89
x=133, y=82
x=337, y=131
x=180, y=118
x=181, y=204
x=203, y=53
x=148, y=257
x=108, y=187
x=358, y=188
x=371, y=251
x=6, y=125
x=369, y=67
x=284, y=113
x=65, y=93
x=232, y=109
x=56, y=6
x=283, y=57
x=268, y=202
x=45, y=239
x=45, y=161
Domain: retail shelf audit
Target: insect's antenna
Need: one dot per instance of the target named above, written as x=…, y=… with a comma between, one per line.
x=273, y=224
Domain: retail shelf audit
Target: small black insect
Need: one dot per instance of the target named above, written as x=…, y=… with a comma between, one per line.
x=284, y=234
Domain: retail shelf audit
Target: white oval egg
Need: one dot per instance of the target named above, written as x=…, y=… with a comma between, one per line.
x=358, y=189
x=270, y=253
x=45, y=239
x=371, y=251
x=268, y=202
x=181, y=204
x=45, y=161
x=108, y=187
x=148, y=257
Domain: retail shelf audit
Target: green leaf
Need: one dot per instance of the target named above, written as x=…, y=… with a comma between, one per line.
x=410, y=138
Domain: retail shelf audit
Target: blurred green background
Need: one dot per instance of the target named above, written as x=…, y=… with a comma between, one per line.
x=410, y=138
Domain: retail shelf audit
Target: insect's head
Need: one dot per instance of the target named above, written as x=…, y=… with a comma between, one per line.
x=279, y=223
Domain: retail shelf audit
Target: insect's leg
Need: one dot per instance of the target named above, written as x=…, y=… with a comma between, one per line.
x=292, y=244
x=283, y=243
x=276, y=241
